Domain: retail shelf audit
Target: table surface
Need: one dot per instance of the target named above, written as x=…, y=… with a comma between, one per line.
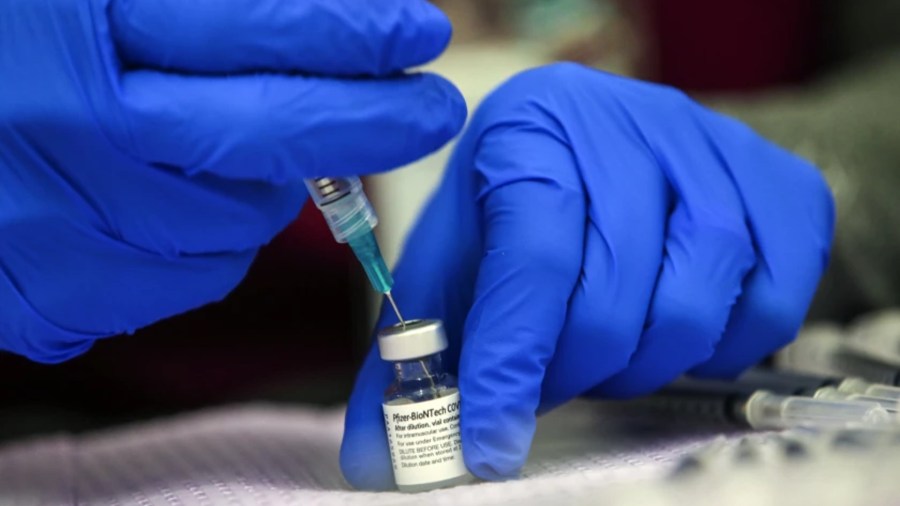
x=583, y=453
x=261, y=454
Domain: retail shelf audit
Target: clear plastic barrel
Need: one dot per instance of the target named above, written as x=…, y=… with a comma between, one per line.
x=863, y=387
x=345, y=207
x=832, y=393
x=765, y=410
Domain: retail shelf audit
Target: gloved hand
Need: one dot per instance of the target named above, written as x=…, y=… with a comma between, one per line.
x=148, y=148
x=595, y=235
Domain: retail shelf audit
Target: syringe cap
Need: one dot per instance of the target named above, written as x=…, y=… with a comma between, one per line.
x=418, y=339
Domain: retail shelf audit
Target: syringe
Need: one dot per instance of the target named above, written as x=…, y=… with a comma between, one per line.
x=833, y=393
x=766, y=410
x=743, y=405
x=863, y=387
x=791, y=383
x=350, y=217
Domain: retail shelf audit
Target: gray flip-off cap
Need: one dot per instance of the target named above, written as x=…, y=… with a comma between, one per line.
x=419, y=339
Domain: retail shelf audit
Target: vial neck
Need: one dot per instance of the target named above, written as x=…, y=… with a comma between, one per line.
x=423, y=368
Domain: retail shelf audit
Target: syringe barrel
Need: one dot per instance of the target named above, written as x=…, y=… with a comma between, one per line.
x=883, y=391
x=833, y=394
x=863, y=387
x=345, y=207
x=854, y=385
x=765, y=410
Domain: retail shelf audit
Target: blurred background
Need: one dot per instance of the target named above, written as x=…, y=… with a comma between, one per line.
x=298, y=327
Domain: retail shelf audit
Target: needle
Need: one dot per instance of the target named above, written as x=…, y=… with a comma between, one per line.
x=390, y=298
x=396, y=309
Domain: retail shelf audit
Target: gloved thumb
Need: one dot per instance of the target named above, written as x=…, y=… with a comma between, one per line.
x=365, y=455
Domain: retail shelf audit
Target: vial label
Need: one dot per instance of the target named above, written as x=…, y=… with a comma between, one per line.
x=424, y=440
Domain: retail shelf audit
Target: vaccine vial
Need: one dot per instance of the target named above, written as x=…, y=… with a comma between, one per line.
x=421, y=408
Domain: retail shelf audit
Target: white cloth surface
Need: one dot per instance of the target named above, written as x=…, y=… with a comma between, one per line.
x=270, y=455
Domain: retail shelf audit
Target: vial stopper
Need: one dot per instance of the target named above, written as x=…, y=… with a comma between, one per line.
x=418, y=339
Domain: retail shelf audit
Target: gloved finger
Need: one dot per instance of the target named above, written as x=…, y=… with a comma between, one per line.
x=328, y=37
x=26, y=332
x=708, y=252
x=700, y=281
x=160, y=210
x=233, y=215
x=533, y=216
x=628, y=204
x=102, y=287
x=433, y=279
x=791, y=214
x=278, y=128
x=365, y=455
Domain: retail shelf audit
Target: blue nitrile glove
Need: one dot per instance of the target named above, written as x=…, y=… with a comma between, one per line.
x=149, y=147
x=596, y=235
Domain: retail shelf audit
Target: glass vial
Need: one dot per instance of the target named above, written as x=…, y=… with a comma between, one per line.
x=421, y=408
